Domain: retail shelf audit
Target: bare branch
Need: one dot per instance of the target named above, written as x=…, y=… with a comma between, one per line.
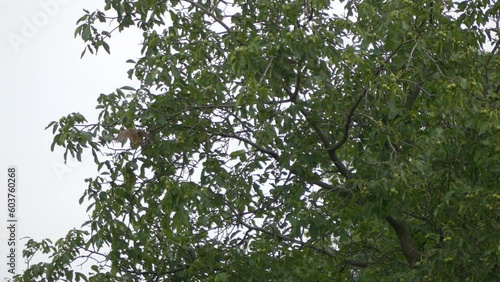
x=322, y=137
x=348, y=122
x=276, y=234
x=257, y=147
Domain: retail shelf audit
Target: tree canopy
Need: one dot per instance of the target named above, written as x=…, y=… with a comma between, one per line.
x=290, y=141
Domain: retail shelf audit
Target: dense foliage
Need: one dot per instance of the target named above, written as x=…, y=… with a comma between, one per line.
x=291, y=141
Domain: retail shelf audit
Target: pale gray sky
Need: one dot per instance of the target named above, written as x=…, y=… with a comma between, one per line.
x=43, y=78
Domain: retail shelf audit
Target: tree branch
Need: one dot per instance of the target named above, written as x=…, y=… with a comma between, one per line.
x=342, y=191
x=402, y=230
x=348, y=122
x=356, y=263
x=210, y=14
x=257, y=147
x=322, y=137
x=276, y=234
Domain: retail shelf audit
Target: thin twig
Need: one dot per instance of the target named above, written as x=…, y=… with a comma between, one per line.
x=210, y=14
x=348, y=122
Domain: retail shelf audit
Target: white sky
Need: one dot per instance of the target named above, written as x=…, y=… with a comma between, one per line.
x=43, y=78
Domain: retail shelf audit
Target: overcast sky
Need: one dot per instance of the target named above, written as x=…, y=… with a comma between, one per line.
x=43, y=78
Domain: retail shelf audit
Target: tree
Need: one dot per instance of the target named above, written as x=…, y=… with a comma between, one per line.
x=291, y=141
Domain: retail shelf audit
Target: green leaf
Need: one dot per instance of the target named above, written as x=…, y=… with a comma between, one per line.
x=128, y=88
x=175, y=73
x=463, y=83
x=405, y=25
x=106, y=47
x=285, y=141
x=86, y=35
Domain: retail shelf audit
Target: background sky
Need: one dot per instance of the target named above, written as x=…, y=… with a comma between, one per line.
x=43, y=78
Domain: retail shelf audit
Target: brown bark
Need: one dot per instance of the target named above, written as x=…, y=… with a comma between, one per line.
x=402, y=230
